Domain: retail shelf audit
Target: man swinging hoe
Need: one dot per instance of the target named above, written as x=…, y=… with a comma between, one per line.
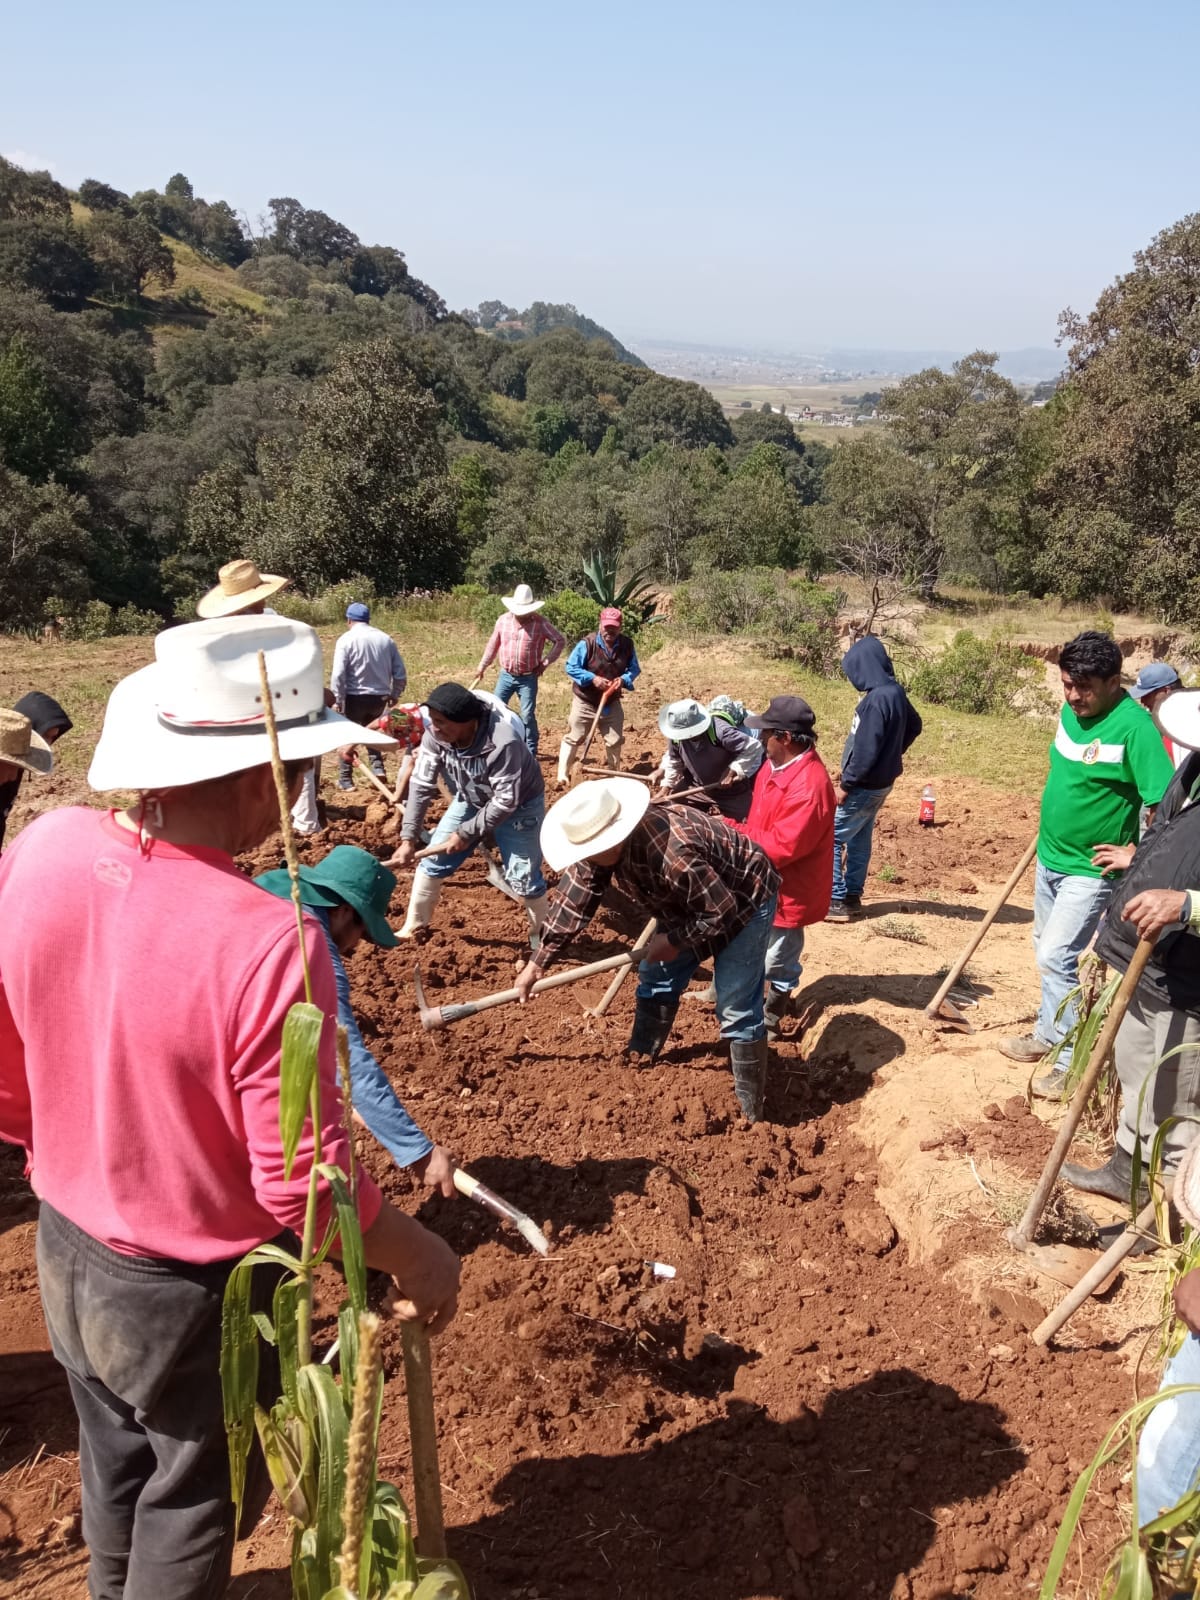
x=712, y=891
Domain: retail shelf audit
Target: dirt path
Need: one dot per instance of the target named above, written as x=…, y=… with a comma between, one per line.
x=834, y=1397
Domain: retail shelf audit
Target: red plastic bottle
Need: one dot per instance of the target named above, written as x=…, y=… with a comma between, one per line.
x=928, y=805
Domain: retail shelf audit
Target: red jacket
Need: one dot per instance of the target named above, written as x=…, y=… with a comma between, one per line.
x=791, y=817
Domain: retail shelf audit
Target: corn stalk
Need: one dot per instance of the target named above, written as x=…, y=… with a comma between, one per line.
x=352, y=1537
x=1154, y=1561
x=1092, y=1001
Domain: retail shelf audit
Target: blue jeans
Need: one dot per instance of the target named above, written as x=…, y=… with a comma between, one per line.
x=1169, y=1447
x=1066, y=913
x=525, y=686
x=783, y=958
x=738, y=972
x=518, y=839
x=853, y=831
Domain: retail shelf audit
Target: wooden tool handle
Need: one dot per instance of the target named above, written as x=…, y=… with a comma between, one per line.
x=361, y=766
x=952, y=977
x=422, y=1427
x=506, y=997
x=610, y=994
x=1022, y=1234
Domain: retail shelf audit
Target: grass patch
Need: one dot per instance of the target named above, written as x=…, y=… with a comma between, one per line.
x=888, y=874
x=902, y=928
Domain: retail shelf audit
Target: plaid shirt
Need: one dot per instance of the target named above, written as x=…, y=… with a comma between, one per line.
x=521, y=647
x=701, y=880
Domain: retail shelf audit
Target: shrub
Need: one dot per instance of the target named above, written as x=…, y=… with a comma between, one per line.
x=572, y=614
x=792, y=618
x=327, y=606
x=976, y=675
x=98, y=620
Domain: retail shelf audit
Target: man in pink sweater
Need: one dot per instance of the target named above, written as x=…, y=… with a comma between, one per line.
x=144, y=983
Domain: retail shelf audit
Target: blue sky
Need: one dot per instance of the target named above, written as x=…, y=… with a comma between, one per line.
x=921, y=175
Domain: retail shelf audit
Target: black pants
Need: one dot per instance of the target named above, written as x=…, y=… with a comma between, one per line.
x=140, y=1340
x=364, y=708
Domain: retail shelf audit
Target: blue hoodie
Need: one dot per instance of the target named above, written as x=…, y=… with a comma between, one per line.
x=885, y=721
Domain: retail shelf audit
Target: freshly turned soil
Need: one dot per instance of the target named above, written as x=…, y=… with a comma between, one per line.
x=809, y=1408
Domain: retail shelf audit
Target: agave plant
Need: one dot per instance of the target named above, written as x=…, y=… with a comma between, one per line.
x=636, y=594
x=352, y=1536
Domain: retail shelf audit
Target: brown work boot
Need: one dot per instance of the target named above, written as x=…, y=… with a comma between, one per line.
x=1025, y=1048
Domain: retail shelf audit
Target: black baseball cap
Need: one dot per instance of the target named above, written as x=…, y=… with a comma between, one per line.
x=787, y=713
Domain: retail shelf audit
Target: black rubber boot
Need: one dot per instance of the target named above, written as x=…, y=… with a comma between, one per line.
x=652, y=1023
x=749, y=1060
x=775, y=1009
x=1113, y=1180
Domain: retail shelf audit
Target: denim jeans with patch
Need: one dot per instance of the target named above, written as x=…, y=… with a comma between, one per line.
x=1169, y=1447
x=738, y=972
x=518, y=838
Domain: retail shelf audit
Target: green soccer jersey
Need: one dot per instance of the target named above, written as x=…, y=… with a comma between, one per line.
x=1103, y=770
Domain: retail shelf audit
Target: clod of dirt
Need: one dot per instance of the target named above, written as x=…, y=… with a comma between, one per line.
x=980, y=1555
x=800, y=1526
x=805, y=1187
x=1022, y=1309
x=993, y=1112
x=869, y=1228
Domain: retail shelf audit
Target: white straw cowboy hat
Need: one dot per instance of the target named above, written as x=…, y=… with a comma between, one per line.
x=196, y=712
x=521, y=602
x=239, y=584
x=593, y=817
x=1179, y=717
x=21, y=745
x=683, y=719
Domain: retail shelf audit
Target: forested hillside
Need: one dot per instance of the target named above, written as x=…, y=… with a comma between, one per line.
x=175, y=391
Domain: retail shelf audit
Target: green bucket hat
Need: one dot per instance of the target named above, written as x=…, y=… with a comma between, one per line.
x=347, y=875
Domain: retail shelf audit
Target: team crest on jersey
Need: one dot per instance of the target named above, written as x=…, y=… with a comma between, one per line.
x=1092, y=754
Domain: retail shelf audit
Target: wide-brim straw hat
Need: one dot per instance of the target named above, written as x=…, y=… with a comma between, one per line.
x=1179, y=717
x=196, y=713
x=683, y=719
x=521, y=602
x=239, y=584
x=21, y=745
x=592, y=818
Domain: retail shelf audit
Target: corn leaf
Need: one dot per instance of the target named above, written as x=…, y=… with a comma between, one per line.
x=345, y=1214
x=441, y=1580
x=306, y=1579
x=391, y=1540
x=283, y=1465
x=321, y=1405
x=239, y=1376
x=287, y=1296
x=348, y=1352
x=297, y=1070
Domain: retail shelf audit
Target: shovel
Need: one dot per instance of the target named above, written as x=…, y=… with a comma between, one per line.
x=1021, y=1237
x=940, y=1009
x=442, y=1016
x=1095, y=1277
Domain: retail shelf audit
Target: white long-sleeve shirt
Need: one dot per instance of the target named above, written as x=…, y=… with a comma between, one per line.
x=366, y=661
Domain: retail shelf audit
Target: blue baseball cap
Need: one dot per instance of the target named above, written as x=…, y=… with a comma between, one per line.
x=1158, y=675
x=357, y=612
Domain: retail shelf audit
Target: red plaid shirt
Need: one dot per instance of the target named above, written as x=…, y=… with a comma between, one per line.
x=701, y=880
x=521, y=646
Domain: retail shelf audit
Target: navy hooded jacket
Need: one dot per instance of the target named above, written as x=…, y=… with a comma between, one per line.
x=885, y=721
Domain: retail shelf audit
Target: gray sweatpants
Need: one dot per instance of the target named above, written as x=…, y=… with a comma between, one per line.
x=140, y=1340
x=1150, y=1029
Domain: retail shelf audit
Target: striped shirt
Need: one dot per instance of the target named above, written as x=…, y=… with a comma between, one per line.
x=520, y=642
x=702, y=881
